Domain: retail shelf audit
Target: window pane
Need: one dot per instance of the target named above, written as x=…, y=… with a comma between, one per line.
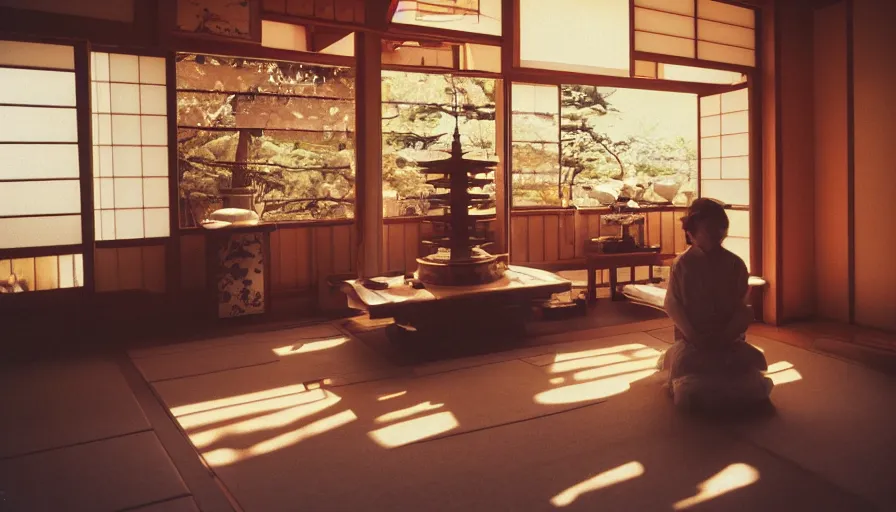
x=155, y=192
x=664, y=23
x=40, y=231
x=563, y=35
x=38, y=55
x=645, y=69
x=626, y=141
x=156, y=221
x=124, y=68
x=125, y=98
x=128, y=193
x=152, y=70
x=685, y=7
x=482, y=57
x=726, y=13
x=153, y=100
x=710, y=126
x=419, y=118
x=665, y=45
x=283, y=128
x=710, y=105
x=733, y=192
x=726, y=34
x=130, y=144
x=702, y=75
x=33, y=124
x=739, y=223
x=37, y=87
x=722, y=53
x=736, y=145
x=128, y=224
x=711, y=147
x=735, y=101
x=40, y=197
x=126, y=161
x=736, y=168
x=711, y=168
x=56, y=161
x=477, y=16
x=736, y=122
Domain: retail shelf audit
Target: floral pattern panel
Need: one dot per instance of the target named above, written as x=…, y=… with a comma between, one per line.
x=240, y=275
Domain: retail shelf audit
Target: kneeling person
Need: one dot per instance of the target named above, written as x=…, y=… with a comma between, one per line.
x=710, y=360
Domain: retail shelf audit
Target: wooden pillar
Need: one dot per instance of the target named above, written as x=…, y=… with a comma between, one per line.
x=85, y=162
x=503, y=99
x=369, y=161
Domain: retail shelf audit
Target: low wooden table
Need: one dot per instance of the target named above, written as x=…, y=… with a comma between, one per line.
x=611, y=262
x=519, y=284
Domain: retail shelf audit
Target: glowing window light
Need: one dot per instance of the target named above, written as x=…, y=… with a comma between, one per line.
x=408, y=412
x=563, y=35
x=130, y=146
x=226, y=456
x=729, y=479
x=414, y=430
x=39, y=154
x=607, y=478
x=310, y=346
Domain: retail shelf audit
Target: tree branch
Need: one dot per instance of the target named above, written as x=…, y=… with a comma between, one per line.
x=224, y=163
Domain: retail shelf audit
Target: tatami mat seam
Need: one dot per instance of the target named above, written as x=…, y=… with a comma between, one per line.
x=786, y=460
x=72, y=445
x=499, y=425
x=166, y=379
x=134, y=378
x=156, y=502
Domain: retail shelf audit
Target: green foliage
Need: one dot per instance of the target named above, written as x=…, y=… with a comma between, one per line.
x=592, y=149
x=419, y=115
x=293, y=123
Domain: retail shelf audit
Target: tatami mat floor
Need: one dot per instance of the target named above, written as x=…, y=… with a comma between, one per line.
x=326, y=417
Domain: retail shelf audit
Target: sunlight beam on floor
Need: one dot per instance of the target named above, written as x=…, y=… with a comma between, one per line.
x=408, y=412
x=417, y=429
x=567, y=356
x=731, y=478
x=235, y=412
x=237, y=399
x=617, y=369
x=310, y=346
x=592, y=390
x=610, y=477
x=226, y=456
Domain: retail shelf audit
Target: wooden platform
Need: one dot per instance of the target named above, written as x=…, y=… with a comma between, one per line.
x=519, y=285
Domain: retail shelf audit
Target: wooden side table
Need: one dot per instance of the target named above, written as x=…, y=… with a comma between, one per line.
x=611, y=262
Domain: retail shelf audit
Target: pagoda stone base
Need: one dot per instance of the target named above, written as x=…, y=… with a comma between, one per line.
x=481, y=268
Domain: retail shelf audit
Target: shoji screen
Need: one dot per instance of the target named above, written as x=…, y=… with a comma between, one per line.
x=725, y=161
x=39, y=168
x=130, y=146
x=701, y=29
